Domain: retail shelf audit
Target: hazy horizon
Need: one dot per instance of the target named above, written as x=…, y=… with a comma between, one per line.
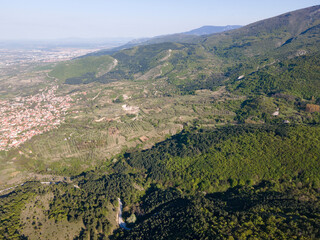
x=98, y=19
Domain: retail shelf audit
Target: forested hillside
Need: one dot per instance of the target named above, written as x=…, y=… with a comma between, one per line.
x=236, y=181
x=298, y=76
x=240, y=213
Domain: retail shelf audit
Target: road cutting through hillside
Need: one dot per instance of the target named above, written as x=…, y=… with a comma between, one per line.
x=121, y=223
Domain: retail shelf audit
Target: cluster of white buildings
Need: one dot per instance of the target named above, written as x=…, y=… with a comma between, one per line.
x=11, y=57
x=24, y=117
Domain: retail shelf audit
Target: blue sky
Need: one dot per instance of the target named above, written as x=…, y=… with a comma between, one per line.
x=50, y=19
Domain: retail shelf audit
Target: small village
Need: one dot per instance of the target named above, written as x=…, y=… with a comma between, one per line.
x=24, y=117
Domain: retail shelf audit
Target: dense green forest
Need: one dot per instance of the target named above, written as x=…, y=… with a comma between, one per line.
x=256, y=212
x=236, y=155
x=298, y=76
x=236, y=182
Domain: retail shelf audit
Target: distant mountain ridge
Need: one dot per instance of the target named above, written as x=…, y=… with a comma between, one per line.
x=184, y=37
x=206, y=30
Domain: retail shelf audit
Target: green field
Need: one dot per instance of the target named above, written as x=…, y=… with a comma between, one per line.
x=81, y=67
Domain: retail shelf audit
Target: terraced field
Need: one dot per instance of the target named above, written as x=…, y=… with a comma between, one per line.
x=108, y=119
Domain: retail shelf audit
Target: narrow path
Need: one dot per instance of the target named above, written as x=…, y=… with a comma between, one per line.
x=121, y=223
x=167, y=56
x=6, y=191
x=10, y=188
x=96, y=96
x=55, y=79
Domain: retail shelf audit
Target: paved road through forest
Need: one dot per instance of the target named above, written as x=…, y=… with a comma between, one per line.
x=122, y=224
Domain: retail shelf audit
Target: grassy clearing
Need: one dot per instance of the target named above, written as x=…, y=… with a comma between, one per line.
x=36, y=223
x=81, y=66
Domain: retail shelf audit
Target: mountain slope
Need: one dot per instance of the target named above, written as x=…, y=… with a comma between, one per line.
x=241, y=213
x=206, y=61
x=83, y=70
x=277, y=36
x=192, y=186
x=299, y=76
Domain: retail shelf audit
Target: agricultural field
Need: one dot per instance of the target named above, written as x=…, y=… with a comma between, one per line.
x=108, y=119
